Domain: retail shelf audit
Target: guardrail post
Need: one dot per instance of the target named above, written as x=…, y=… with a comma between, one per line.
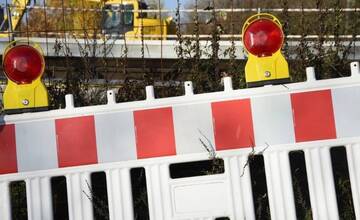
x=150, y=94
x=189, y=90
x=355, y=69
x=69, y=101
x=310, y=74
x=111, y=97
x=228, y=86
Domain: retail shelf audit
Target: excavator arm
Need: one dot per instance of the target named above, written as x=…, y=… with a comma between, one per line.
x=11, y=16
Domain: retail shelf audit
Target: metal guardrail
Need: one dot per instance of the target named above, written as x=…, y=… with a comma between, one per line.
x=153, y=49
x=186, y=10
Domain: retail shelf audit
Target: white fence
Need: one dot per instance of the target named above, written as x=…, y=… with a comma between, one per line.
x=202, y=197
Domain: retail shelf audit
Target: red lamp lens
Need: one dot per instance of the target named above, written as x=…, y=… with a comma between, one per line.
x=263, y=38
x=22, y=64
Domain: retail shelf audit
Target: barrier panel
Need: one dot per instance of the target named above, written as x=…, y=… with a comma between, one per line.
x=159, y=139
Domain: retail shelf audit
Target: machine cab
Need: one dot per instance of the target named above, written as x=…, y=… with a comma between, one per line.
x=118, y=19
x=123, y=18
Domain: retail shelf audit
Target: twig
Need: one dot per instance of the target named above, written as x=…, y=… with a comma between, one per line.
x=251, y=155
x=209, y=147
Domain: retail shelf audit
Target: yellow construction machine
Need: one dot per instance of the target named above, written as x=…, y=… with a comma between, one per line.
x=119, y=18
x=125, y=17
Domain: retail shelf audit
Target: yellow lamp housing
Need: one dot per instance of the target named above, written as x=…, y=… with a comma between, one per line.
x=24, y=65
x=263, y=38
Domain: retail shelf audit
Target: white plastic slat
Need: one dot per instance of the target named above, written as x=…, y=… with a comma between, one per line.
x=233, y=174
x=78, y=192
x=5, y=209
x=119, y=194
x=165, y=186
x=46, y=201
x=153, y=186
x=279, y=185
x=113, y=193
x=321, y=183
x=39, y=201
x=245, y=182
x=353, y=155
x=241, y=191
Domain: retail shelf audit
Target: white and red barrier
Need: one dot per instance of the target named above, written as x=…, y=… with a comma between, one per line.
x=311, y=116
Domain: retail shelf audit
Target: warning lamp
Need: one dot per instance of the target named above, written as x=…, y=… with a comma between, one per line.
x=263, y=38
x=23, y=65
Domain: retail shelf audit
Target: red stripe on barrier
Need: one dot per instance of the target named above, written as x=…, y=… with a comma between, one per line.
x=313, y=116
x=8, y=161
x=76, y=142
x=154, y=133
x=233, y=126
